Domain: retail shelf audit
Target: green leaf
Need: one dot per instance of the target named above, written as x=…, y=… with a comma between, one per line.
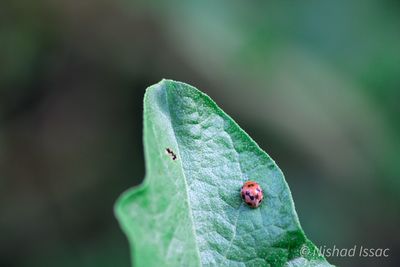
x=188, y=211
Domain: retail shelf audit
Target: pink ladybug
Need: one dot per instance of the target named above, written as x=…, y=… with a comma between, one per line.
x=252, y=194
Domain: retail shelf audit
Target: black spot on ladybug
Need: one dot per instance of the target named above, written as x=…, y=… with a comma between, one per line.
x=243, y=195
x=171, y=153
x=251, y=185
x=257, y=196
x=252, y=197
x=248, y=193
x=260, y=201
x=258, y=190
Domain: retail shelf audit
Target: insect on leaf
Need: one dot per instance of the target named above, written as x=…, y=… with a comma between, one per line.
x=188, y=211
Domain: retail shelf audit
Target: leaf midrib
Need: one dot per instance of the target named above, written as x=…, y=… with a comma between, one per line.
x=184, y=179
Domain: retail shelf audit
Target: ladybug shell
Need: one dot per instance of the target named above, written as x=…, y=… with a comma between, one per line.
x=252, y=194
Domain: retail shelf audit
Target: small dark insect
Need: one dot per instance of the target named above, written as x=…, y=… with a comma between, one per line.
x=171, y=153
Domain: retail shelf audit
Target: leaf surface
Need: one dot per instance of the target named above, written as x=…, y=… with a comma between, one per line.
x=188, y=211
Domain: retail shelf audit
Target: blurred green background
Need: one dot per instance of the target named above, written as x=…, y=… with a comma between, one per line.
x=315, y=83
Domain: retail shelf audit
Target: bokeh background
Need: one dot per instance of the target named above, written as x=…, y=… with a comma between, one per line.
x=315, y=83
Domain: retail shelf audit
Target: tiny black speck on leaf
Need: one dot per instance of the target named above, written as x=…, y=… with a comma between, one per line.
x=171, y=153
